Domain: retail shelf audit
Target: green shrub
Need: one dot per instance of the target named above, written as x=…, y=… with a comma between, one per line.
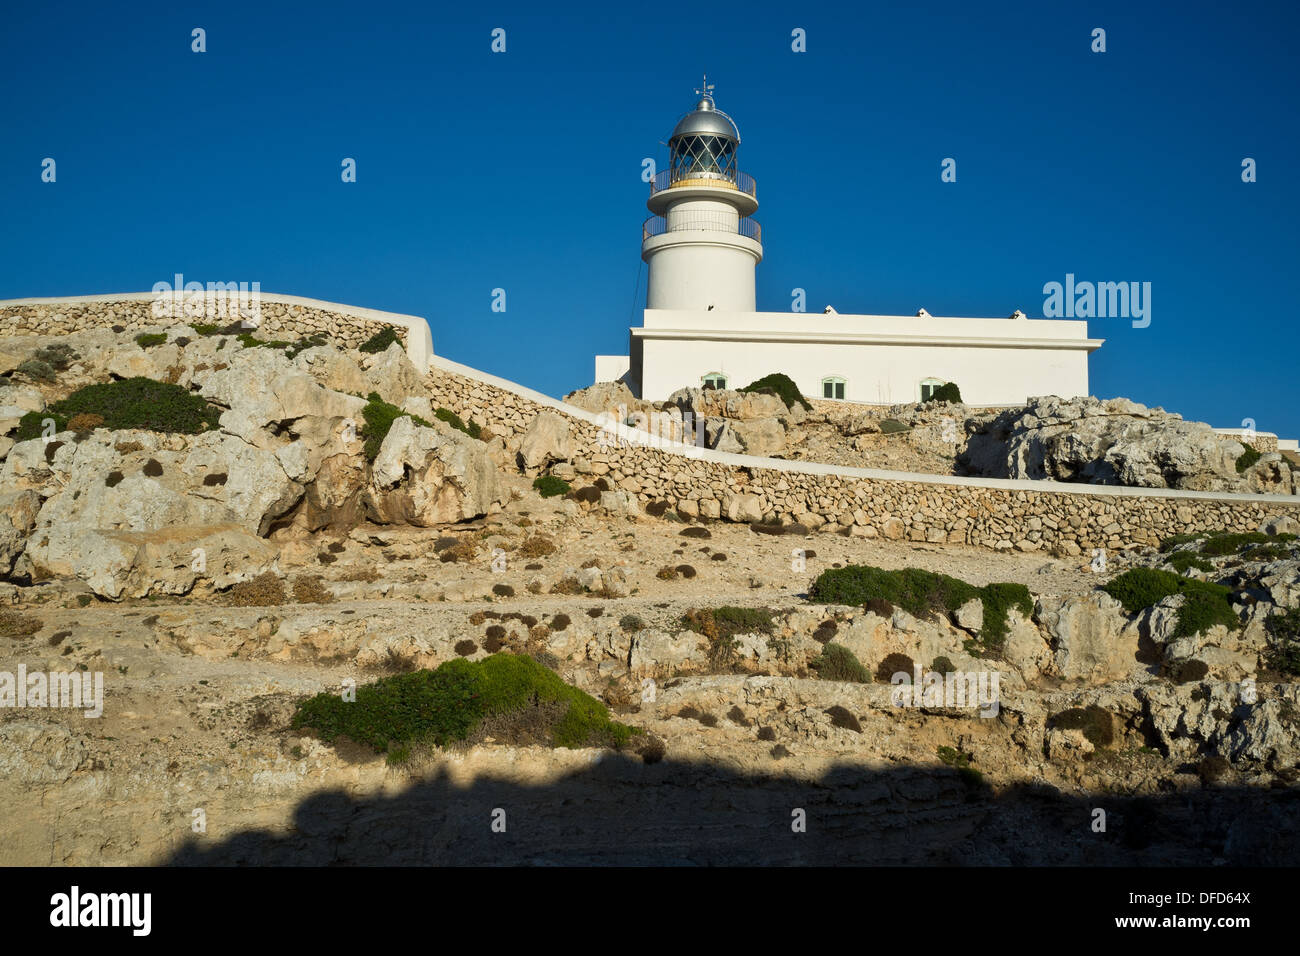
x=727, y=622
x=1247, y=458
x=451, y=418
x=147, y=340
x=380, y=341
x=206, y=328
x=837, y=662
x=892, y=426
x=1205, y=605
x=1180, y=561
x=1218, y=545
x=128, y=403
x=921, y=592
x=782, y=386
x=1168, y=544
x=948, y=392
x=379, y=416
x=58, y=355
x=1283, y=629
x=445, y=705
x=549, y=486
x=1097, y=725
x=36, y=370
x=631, y=623
x=942, y=665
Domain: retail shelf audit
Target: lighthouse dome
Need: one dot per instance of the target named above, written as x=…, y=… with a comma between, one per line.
x=706, y=120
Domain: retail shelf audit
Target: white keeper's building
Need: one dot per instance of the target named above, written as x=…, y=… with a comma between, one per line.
x=701, y=326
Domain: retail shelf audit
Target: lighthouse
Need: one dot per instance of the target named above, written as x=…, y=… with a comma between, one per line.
x=701, y=329
x=699, y=245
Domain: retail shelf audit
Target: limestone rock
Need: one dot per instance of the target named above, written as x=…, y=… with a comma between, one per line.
x=547, y=439
x=1092, y=639
x=1114, y=442
x=431, y=476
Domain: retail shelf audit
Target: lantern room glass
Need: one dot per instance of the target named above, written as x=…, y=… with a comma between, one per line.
x=704, y=157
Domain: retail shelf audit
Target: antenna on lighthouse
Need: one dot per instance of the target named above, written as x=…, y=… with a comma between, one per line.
x=706, y=88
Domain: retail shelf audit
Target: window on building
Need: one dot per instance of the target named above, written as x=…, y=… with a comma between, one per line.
x=715, y=380
x=832, y=387
x=928, y=386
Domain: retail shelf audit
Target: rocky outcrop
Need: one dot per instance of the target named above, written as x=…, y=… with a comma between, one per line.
x=431, y=476
x=545, y=441
x=1114, y=442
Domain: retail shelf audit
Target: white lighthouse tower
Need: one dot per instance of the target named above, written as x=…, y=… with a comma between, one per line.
x=700, y=246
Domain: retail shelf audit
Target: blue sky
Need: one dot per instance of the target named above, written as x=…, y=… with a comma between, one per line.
x=522, y=170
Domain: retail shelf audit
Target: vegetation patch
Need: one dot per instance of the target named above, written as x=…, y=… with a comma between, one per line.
x=147, y=340
x=537, y=546
x=836, y=662
x=471, y=429
x=380, y=341
x=782, y=386
x=1096, y=723
x=1283, y=629
x=379, y=416
x=128, y=403
x=923, y=592
x=842, y=717
x=447, y=705
x=1205, y=603
x=892, y=426
x=548, y=486
x=1246, y=460
x=265, y=590
x=894, y=664
x=13, y=624
x=948, y=392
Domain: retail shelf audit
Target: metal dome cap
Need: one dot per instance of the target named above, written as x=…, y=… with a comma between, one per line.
x=706, y=120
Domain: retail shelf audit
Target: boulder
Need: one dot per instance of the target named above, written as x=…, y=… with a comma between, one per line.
x=432, y=476
x=546, y=440
x=728, y=403
x=746, y=508
x=135, y=522
x=18, y=511
x=392, y=374
x=1092, y=639
x=265, y=394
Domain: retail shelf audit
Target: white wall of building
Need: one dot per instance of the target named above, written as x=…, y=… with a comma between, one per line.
x=882, y=359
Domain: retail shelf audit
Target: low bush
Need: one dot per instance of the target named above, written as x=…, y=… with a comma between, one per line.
x=948, y=392
x=471, y=429
x=147, y=340
x=1283, y=628
x=128, y=403
x=379, y=416
x=892, y=426
x=549, y=486
x=1205, y=605
x=36, y=370
x=837, y=662
x=380, y=341
x=921, y=592
x=1247, y=458
x=1096, y=723
x=782, y=386
x=443, y=706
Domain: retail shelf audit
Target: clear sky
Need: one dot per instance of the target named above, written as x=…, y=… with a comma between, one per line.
x=522, y=170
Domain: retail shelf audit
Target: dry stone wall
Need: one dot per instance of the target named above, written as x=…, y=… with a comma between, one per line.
x=277, y=319
x=988, y=513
